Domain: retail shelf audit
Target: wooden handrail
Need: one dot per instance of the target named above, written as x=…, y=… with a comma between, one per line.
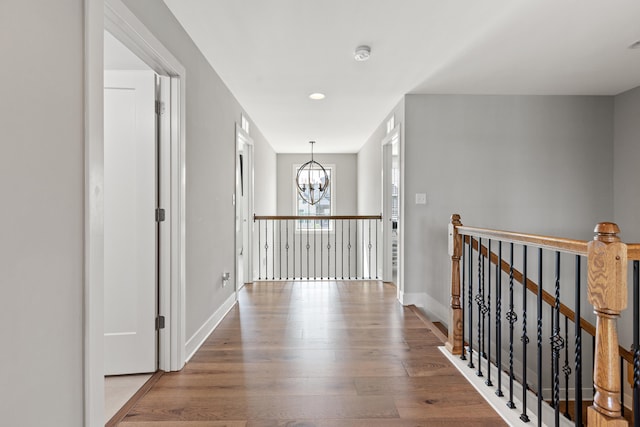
x=547, y=297
x=607, y=265
x=314, y=217
x=633, y=251
x=577, y=247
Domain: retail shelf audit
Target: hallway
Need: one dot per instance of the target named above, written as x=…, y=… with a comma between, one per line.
x=315, y=354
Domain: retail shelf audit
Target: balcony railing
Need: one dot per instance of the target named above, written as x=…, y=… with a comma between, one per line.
x=318, y=247
x=513, y=324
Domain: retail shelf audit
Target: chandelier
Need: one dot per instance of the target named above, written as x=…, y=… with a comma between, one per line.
x=312, y=180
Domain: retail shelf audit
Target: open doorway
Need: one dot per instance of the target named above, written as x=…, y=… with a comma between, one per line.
x=391, y=186
x=169, y=354
x=132, y=230
x=244, y=208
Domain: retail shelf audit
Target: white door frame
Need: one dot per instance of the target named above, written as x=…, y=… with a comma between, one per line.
x=115, y=17
x=395, y=134
x=243, y=138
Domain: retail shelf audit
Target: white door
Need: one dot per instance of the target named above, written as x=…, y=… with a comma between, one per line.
x=130, y=268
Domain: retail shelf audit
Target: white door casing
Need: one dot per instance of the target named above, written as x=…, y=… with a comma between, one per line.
x=115, y=17
x=130, y=168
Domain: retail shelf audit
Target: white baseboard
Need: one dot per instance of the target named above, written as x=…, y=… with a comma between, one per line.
x=511, y=416
x=196, y=341
x=436, y=311
x=415, y=298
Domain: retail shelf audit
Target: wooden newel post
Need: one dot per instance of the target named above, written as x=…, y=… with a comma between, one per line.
x=607, y=292
x=454, y=343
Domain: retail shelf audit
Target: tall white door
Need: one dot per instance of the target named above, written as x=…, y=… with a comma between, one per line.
x=130, y=169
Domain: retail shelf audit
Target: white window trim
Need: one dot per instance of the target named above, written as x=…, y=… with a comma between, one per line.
x=329, y=166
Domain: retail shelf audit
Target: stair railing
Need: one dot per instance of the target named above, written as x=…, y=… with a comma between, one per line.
x=337, y=247
x=474, y=266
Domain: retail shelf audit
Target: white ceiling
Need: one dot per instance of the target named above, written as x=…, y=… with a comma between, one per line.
x=273, y=54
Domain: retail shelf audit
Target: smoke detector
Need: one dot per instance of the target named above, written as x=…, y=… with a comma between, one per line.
x=362, y=53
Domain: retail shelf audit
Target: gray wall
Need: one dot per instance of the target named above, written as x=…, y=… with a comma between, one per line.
x=626, y=160
x=547, y=159
x=41, y=220
x=344, y=180
x=541, y=164
x=370, y=165
x=627, y=184
x=211, y=112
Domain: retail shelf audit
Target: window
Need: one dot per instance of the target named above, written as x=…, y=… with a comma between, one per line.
x=244, y=123
x=323, y=207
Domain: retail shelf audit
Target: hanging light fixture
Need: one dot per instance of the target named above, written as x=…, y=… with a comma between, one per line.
x=312, y=180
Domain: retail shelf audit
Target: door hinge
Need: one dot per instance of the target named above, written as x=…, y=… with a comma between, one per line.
x=159, y=107
x=159, y=215
x=159, y=322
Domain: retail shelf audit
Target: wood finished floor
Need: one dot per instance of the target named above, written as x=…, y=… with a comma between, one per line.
x=315, y=354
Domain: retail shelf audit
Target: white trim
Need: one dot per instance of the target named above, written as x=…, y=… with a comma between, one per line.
x=415, y=298
x=93, y=214
x=114, y=16
x=435, y=309
x=511, y=416
x=201, y=335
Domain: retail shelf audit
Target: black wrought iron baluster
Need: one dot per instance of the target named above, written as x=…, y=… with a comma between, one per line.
x=480, y=303
x=356, y=245
x=308, y=247
x=280, y=247
x=266, y=250
x=524, y=338
x=488, y=309
x=512, y=317
x=287, y=247
x=349, y=247
x=622, y=386
x=321, y=249
x=273, y=250
x=462, y=293
x=342, y=248
x=370, y=247
x=499, y=319
x=566, y=369
x=315, y=248
x=470, y=302
x=301, y=250
x=539, y=313
x=335, y=248
x=377, y=251
x=259, y=253
x=578, y=348
x=636, y=343
x=328, y=249
x=557, y=344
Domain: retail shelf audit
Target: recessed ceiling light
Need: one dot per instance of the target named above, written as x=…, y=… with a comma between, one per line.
x=362, y=53
x=317, y=96
x=635, y=45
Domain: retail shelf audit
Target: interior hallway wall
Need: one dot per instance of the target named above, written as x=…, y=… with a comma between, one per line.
x=344, y=180
x=539, y=164
x=42, y=214
x=370, y=164
x=626, y=185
